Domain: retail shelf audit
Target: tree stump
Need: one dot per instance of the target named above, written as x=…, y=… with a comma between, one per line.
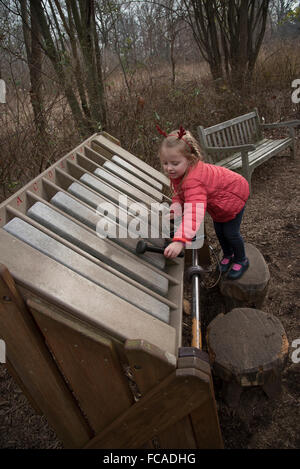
x=247, y=347
x=250, y=290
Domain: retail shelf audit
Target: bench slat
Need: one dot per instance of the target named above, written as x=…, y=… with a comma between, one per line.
x=234, y=160
x=263, y=153
x=254, y=128
x=243, y=132
x=236, y=137
x=229, y=123
x=224, y=138
x=229, y=136
x=249, y=133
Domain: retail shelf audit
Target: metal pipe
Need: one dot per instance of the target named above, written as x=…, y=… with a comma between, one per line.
x=196, y=317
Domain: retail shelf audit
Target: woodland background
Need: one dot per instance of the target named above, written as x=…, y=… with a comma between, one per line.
x=75, y=67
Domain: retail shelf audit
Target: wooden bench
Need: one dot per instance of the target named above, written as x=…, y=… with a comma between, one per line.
x=239, y=145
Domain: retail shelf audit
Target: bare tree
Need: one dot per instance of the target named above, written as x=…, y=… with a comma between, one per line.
x=279, y=10
x=31, y=32
x=283, y=16
x=229, y=34
x=72, y=45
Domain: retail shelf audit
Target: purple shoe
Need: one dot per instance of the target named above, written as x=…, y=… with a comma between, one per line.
x=237, y=270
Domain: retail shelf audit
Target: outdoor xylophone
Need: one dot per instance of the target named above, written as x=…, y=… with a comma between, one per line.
x=78, y=309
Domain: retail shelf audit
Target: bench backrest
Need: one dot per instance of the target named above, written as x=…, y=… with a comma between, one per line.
x=238, y=131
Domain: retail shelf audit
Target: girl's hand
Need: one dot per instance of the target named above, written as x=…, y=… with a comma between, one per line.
x=173, y=249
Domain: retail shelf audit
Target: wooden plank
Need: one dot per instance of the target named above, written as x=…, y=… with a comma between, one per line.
x=228, y=136
x=262, y=153
x=242, y=133
x=174, y=398
x=258, y=130
x=255, y=129
x=233, y=136
x=35, y=367
x=89, y=362
x=225, y=142
x=219, y=139
x=213, y=138
x=179, y=436
x=246, y=168
x=249, y=133
x=20, y=383
x=256, y=161
x=236, y=132
x=111, y=138
x=204, y=143
x=204, y=419
x=150, y=366
x=293, y=142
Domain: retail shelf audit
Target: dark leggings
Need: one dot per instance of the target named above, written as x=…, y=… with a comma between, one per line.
x=230, y=238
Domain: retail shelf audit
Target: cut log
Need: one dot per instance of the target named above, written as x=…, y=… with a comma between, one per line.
x=247, y=347
x=250, y=290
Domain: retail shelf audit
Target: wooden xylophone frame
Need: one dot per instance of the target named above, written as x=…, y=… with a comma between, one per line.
x=70, y=352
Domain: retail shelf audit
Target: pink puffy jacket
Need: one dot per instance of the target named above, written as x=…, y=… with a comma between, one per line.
x=218, y=190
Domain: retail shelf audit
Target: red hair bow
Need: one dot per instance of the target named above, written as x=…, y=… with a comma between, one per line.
x=162, y=132
x=181, y=132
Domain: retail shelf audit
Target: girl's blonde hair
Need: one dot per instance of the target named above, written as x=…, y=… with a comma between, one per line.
x=189, y=146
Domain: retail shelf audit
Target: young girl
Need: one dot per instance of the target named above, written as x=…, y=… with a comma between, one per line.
x=223, y=193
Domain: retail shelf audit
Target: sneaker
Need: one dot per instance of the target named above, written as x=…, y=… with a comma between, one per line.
x=225, y=264
x=237, y=270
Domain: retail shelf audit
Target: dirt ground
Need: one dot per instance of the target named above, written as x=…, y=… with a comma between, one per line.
x=271, y=223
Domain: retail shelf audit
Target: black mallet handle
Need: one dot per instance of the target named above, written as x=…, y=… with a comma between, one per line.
x=142, y=247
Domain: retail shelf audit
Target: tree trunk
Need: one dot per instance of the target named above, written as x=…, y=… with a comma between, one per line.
x=53, y=53
x=34, y=58
x=239, y=58
x=229, y=35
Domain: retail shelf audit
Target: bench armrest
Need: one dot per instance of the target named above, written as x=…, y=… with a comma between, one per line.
x=230, y=149
x=275, y=125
